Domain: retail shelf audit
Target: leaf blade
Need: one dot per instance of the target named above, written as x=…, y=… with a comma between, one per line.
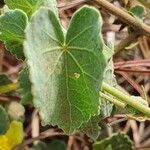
x=12, y=26
x=58, y=74
x=27, y=6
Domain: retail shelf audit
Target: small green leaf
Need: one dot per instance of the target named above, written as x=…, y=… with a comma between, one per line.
x=66, y=73
x=12, y=26
x=30, y=6
x=25, y=85
x=117, y=141
x=4, y=120
x=138, y=11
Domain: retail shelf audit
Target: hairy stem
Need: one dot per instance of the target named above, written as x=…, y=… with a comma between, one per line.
x=112, y=100
x=126, y=99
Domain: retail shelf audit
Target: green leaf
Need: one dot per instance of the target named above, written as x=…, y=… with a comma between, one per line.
x=12, y=26
x=117, y=141
x=30, y=6
x=138, y=11
x=25, y=85
x=66, y=73
x=4, y=120
x=91, y=128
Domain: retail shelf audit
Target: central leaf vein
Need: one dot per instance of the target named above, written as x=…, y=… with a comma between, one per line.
x=66, y=68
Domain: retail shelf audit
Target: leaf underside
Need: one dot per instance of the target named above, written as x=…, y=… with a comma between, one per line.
x=13, y=22
x=28, y=6
x=109, y=77
x=66, y=71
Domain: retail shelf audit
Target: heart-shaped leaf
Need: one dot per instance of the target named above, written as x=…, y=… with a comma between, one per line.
x=66, y=72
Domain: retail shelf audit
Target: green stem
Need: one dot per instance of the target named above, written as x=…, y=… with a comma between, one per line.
x=9, y=87
x=117, y=121
x=113, y=100
x=126, y=99
x=126, y=42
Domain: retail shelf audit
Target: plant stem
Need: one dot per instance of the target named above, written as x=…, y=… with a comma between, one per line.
x=126, y=42
x=126, y=99
x=113, y=100
x=9, y=87
x=125, y=17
